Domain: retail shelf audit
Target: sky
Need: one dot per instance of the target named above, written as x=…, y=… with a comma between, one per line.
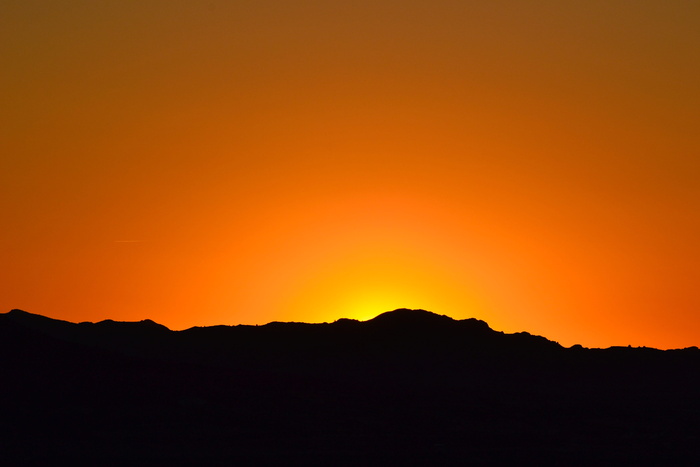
x=534, y=164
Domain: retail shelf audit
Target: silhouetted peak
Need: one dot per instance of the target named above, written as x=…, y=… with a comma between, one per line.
x=405, y=316
x=143, y=324
x=23, y=315
x=477, y=324
x=346, y=321
x=17, y=312
x=150, y=322
x=33, y=319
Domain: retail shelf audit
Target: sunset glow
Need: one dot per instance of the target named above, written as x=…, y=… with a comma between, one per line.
x=201, y=163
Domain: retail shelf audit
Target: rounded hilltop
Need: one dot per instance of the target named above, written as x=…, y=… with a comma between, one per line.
x=406, y=316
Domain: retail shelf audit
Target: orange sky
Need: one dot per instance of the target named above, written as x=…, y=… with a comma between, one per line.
x=531, y=164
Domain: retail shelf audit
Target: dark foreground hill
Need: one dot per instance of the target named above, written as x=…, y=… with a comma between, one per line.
x=408, y=387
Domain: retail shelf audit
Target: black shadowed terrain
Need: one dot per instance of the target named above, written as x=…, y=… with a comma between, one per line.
x=408, y=387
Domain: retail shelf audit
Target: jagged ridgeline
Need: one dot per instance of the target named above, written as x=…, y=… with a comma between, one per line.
x=417, y=333
x=407, y=387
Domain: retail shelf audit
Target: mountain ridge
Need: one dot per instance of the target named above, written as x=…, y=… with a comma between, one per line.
x=398, y=320
x=400, y=337
x=412, y=388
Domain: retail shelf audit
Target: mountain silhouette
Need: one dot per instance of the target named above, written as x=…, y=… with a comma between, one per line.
x=407, y=317
x=408, y=387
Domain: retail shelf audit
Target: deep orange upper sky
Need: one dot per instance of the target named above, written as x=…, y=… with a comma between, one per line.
x=532, y=164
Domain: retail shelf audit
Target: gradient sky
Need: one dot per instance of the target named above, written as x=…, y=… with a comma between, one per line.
x=535, y=164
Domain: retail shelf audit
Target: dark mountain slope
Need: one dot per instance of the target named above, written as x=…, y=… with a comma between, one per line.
x=408, y=387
